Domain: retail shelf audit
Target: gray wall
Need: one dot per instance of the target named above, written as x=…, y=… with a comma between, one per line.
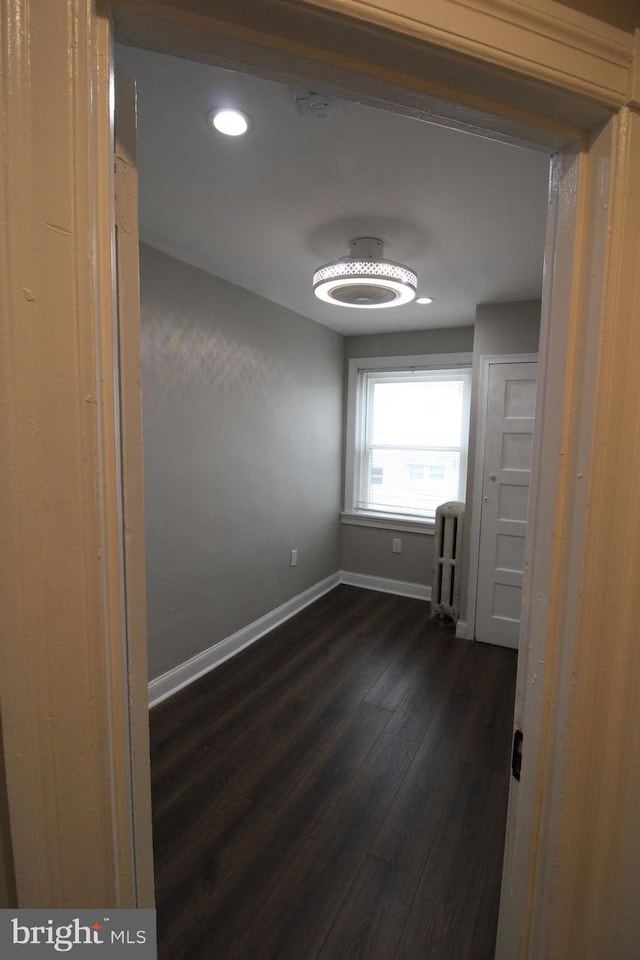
x=243, y=444
x=242, y=409
x=506, y=328
x=453, y=340
x=501, y=328
x=368, y=549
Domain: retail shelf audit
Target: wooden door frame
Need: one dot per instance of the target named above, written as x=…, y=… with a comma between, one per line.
x=485, y=363
x=538, y=73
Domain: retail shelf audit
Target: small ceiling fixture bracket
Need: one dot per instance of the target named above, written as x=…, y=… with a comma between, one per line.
x=367, y=248
x=317, y=106
x=365, y=279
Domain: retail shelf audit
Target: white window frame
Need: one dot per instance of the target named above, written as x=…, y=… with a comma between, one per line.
x=351, y=515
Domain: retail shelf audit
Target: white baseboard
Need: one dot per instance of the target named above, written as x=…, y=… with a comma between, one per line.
x=185, y=673
x=401, y=588
x=462, y=628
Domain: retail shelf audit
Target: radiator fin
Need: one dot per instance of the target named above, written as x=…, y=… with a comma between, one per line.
x=447, y=556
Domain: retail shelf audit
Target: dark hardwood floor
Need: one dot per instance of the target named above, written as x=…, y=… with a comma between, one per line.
x=338, y=790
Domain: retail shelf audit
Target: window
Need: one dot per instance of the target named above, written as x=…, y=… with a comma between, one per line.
x=407, y=434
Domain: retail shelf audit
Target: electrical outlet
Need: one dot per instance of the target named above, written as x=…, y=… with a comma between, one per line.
x=293, y=560
x=396, y=545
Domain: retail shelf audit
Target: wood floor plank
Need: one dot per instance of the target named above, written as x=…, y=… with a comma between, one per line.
x=327, y=760
x=262, y=760
x=444, y=914
x=373, y=915
x=436, y=673
x=312, y=781
x=295, y=918
x=257, y=677
x=483, y=941
x=221, y=746
x=456, y=908
x=415, y=649
x=409, y=830
x=489, y=742
x=337, y=790
x=468, y=813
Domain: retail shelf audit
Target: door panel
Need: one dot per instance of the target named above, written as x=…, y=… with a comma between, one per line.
x=505, y=499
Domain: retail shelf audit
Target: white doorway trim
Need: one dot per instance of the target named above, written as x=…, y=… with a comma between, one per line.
x=486, y=361
x=543, y=62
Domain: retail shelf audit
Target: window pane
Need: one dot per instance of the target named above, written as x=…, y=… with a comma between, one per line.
x=395, y=490
x=417, y=413
x=411, y=455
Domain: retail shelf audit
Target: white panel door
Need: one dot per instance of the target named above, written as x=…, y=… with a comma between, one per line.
x=510, y=409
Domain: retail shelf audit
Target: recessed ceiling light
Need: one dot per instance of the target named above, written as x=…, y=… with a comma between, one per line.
x=365, y=279
x=424, y=300
x=233, y=123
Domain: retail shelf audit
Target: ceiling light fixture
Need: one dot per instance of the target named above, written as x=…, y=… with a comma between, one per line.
x=233, y=123
x=365, y=279
x=424, y=300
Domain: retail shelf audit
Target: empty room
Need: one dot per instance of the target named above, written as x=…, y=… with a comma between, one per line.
x=329, y=763
x=339, y=324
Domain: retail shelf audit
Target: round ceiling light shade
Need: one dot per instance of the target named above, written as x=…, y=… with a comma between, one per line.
x=365, y=279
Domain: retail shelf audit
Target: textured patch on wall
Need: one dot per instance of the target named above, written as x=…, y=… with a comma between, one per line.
x=242, y=406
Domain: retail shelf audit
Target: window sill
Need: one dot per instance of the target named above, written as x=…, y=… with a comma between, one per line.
x=388, y=522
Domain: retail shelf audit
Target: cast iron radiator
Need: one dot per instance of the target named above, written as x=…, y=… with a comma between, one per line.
x=447, y=556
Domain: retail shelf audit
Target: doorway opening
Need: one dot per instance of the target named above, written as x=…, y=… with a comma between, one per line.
x=182, y=352
x=553, y=342
x=468, y=212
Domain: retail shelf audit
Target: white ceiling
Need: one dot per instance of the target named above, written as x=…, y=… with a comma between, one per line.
x=264, y=210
